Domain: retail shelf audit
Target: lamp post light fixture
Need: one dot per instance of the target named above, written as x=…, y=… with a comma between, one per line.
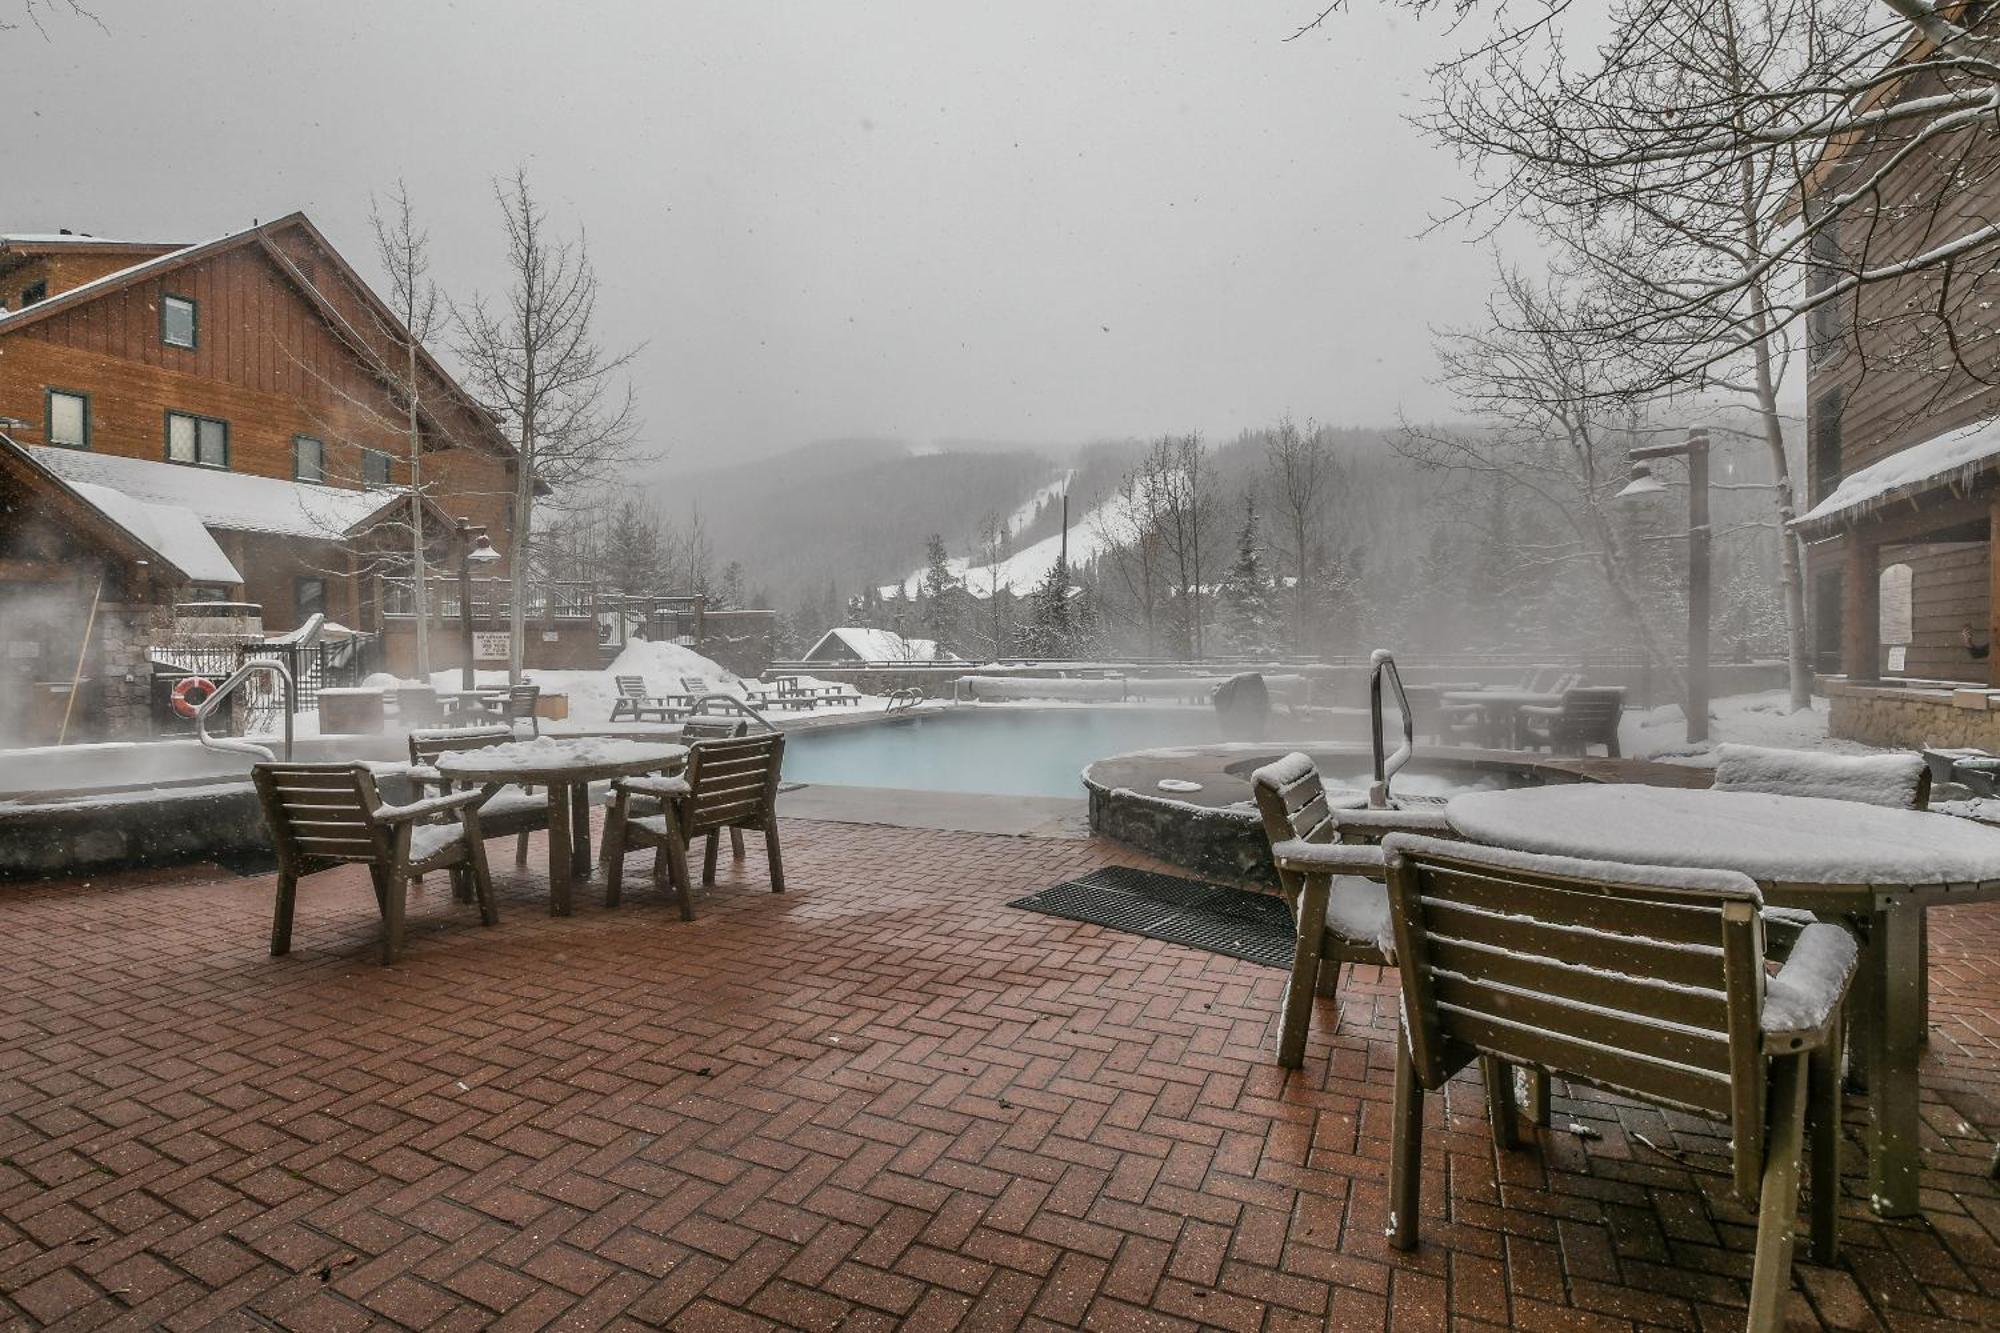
x=473, y=549
x=1643, y=483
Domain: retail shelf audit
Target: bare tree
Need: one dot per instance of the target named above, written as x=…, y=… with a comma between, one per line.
x=1300, y=468
x=537, y=363
x=403, y=250
x=1690, y=243
x=1549, y=430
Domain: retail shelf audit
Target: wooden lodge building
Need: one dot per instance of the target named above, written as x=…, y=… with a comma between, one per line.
x=241, y=388
x=1902, y=512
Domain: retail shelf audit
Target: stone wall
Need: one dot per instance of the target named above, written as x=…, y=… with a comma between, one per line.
x=1913, y=718
x=124, y=672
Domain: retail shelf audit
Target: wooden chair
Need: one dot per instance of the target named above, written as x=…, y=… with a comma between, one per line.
x=418, y=706
x=506, y=810
x=1341, y=916
x=1646, y=981
x=520, y=706
x=695, y=728
x=323, y=815
x=1588, y=715
x=729, y=784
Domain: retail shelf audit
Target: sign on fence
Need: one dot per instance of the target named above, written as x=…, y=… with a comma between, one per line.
x=490, y=646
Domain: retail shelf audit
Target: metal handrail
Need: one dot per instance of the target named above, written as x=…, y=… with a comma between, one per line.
x=1381, y=663
x=906, y=698
x=701, y=702
x=255, y=666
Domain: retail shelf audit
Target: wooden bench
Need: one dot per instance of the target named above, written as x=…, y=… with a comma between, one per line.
x=325, y=815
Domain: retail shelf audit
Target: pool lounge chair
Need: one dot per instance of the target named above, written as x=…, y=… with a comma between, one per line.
x=1647, y=982
x=633, y=702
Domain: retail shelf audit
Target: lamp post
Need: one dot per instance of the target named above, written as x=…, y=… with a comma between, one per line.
x=1644, y=483
x=473, y=549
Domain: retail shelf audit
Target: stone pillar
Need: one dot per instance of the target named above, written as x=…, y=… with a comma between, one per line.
x=1860, y=615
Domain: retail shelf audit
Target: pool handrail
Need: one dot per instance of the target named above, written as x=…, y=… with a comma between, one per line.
x=1382, y=663
x=699, y=704
x=251, y=667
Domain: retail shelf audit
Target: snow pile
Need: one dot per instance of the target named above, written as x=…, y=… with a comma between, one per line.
x=548, y=754
x=1955, y=456
x=1875, y=779
x=1701, y=879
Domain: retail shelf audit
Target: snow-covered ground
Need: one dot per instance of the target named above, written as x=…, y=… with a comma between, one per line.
x=1746, y=719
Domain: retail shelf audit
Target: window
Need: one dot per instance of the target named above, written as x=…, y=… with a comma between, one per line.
x=309, y=597
x=33, y=292
x=1824, y=430
x=177, y=321
x=1825, y=323
x=308, y=459
x=200, y=440
x=374, y=467
x=68, y=419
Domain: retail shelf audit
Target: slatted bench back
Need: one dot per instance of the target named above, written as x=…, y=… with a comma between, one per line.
x=1641, y=987
x=632, y=687
x=320, y=812
x=699, y=729
x=426, y=746
x=732, y=782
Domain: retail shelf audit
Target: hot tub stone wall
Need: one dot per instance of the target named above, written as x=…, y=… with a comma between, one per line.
x=1908, y=718
x=125, y=673
x=1224, y=844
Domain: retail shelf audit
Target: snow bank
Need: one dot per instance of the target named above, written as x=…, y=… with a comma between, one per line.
x=590, y=693
x=1876, y=779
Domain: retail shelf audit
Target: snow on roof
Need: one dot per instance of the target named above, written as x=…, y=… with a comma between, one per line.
x=61, y=238
x=881, y=645
x=1953, y=456
x=174, y=533
x=231, y=501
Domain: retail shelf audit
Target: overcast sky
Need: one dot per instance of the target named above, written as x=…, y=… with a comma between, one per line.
x=1043, y=223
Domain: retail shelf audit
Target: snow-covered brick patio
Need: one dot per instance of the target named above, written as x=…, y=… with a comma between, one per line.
x=881, y=1100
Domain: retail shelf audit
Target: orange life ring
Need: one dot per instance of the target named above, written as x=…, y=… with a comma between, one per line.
x=187, y=685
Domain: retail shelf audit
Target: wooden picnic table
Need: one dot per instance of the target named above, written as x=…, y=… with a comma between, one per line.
x=1878, y=867
x=476, y=702
x=1503, y=709
x=566, y=767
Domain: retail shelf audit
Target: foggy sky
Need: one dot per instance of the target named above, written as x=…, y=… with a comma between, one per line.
x=1041, y=223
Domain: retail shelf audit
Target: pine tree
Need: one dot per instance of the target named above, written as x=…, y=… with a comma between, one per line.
x=1051, y=631
x=1249, y=623
x=940, y=592
x=633, y=556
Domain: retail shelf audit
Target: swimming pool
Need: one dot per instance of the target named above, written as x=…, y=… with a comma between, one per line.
x=1000, y=750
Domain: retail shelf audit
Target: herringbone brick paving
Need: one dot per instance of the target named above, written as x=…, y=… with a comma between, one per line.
x=880, y=1100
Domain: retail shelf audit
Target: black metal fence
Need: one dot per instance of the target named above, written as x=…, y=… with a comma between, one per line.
x=329, y=664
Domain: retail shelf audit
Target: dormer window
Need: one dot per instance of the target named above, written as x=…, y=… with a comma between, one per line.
x=177, y=321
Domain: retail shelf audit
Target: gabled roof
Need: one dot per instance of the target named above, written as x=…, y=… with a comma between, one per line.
x=880, y=645
x=232, y=501
x=260, y=236
x=135, y=529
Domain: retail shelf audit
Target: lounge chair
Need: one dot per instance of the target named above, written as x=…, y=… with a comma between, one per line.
x=1646, y=981
x=1588, y=715
x=324, y=815
x=508, y=810
x=729, y=784
x=633, y=702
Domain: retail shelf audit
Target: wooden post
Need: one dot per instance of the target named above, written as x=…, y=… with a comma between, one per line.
x=1993, y=592
x=1698, y=586
x=1860, y=614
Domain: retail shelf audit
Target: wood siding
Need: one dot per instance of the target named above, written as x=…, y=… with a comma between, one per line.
x=1949, y=592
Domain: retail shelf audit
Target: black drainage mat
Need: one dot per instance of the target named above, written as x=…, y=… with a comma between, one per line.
x=1236, y=923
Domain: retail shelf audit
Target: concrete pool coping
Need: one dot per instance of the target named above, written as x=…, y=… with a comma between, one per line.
x=942, y=811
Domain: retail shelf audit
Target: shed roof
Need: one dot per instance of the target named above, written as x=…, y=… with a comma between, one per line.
x=1954, y=456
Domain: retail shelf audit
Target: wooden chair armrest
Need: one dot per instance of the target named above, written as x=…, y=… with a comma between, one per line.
x=1378, y=824
x=1800, y=1002
x=423, y=775
x=424, y=809
x=1327, y=858
x=665, y=787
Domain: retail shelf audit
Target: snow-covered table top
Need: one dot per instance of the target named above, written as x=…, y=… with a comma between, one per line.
x=550, y=759
x=1776, y=840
